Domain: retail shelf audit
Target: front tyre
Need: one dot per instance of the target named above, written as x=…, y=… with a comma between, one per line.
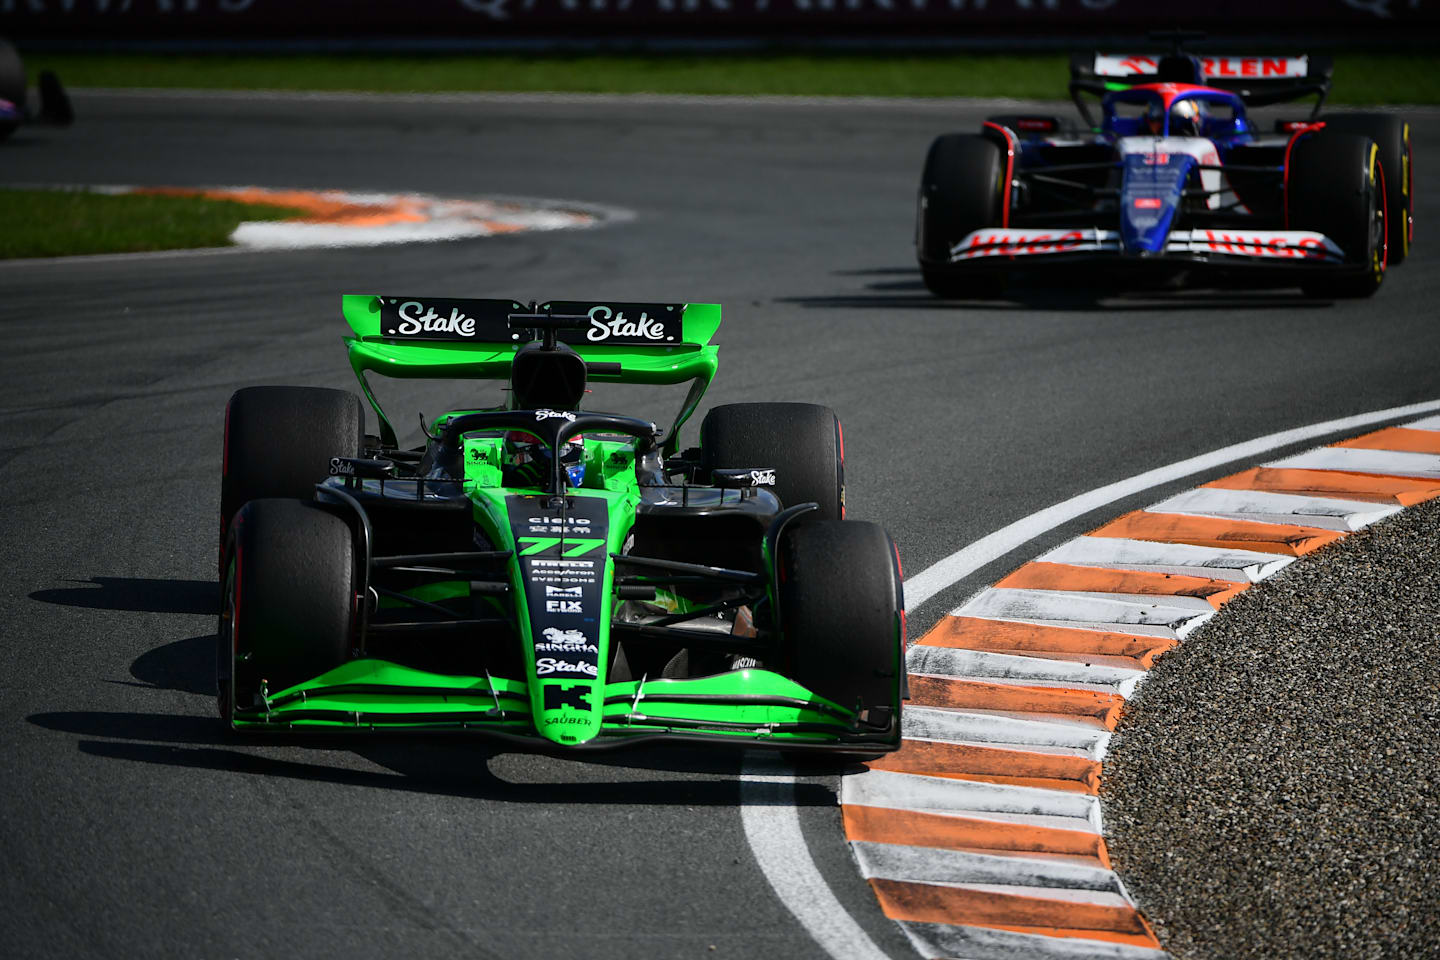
x=1337, y=187
x=288, y=600
x=1392, y=135
x=962, y=189
x=840, y=613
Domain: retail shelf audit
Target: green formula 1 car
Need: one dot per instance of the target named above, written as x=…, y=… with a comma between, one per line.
x=556, y=578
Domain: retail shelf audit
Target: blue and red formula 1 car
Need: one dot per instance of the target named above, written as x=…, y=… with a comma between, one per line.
x=1173, y=182
x=54, y=104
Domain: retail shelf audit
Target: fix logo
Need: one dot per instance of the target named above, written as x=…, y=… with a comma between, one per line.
x=562, y=606
x=568, y=695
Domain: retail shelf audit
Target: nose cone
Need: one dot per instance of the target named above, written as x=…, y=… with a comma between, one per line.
x=1149, y=195
x=568, y=712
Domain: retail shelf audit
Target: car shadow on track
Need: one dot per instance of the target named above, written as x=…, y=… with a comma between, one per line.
x=1046, y=293
x=412, y=764
x=138, y=594
x=435, y=764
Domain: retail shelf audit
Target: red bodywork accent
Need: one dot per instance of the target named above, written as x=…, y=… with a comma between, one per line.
x=1010, y=141
x=904, y=625
x=1170, y=92
x=1409, y=189
x=1385, y=216
x=1285, y=176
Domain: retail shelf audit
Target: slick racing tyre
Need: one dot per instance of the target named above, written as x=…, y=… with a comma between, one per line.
x=288, y=600
x=279, y=441
x=1336, y=187
x=840, y=615
x=1392, y=135
x=801, y=441
x=12, y=84
x=962, y=190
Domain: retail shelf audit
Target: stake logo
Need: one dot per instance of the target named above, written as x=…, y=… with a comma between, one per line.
x=606, y=323
x=547, y=666
x=415, y=318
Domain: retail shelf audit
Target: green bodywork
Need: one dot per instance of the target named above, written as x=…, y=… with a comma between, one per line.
x=742, y=705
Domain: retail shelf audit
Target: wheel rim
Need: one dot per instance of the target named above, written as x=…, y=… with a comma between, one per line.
x=1379, y=241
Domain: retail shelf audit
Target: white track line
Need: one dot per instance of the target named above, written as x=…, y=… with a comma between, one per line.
x=987, y=549
x=772, y=825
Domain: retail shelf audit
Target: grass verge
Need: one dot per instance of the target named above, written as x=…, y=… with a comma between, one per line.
x=1360, y=78
x=59, y=223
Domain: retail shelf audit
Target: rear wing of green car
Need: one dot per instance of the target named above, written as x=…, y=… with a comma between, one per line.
x=620, y=342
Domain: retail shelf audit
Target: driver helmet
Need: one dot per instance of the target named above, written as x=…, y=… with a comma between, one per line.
x=529, y=458
x=1186, y=118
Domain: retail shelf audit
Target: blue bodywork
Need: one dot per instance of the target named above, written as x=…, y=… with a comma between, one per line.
x=1151, y=185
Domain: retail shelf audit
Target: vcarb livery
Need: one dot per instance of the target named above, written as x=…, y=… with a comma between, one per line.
x=556, y=577
x=1171, y=181
x=15, y=109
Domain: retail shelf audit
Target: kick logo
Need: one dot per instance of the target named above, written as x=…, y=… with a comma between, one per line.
x=557, y=696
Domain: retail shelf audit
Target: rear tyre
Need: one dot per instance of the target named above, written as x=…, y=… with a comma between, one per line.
x=279, y=441
x=1392, y=135
x=288, y=600
x=1336, y=187
x=840, y=614
x=12, y=84
x=802, y=441
x=961, y=190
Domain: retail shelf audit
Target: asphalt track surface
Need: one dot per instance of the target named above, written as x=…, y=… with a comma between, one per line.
x=132, y=825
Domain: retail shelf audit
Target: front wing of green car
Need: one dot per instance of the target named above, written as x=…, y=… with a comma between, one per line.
x=749, y=707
